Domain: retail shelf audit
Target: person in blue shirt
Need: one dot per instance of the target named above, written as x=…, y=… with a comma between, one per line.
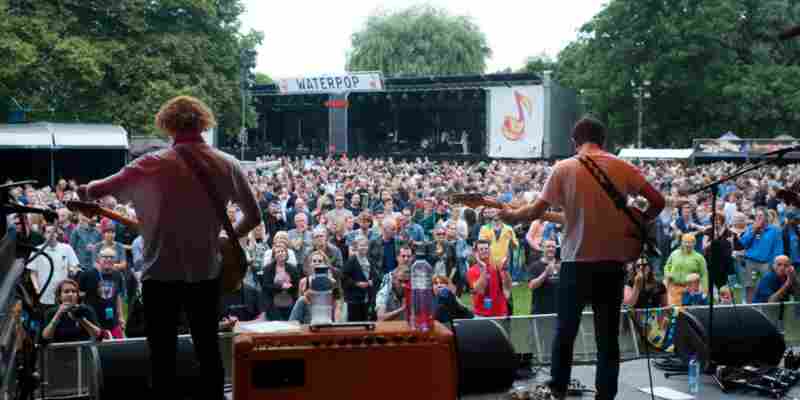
x=776, y=285
x=693, y=296
x=791, y=235
x=762, y=243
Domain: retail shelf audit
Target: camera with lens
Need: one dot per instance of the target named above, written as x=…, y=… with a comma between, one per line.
x=77, y=312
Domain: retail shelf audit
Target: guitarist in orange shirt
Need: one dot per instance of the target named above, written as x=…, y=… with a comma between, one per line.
x=597, y=243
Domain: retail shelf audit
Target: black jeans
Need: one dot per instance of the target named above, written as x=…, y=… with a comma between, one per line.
x=201, y=302
x=601, y=284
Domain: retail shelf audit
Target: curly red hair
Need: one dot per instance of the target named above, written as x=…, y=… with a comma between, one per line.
x=184, y=114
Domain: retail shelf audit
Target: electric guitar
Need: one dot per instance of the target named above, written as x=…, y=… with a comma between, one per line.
x=233, y=256
x=647, y=242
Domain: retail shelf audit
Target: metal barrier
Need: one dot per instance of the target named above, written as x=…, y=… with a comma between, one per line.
x=73, y=369
x=533, y=334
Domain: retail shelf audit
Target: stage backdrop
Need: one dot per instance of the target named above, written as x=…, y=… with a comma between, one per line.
x=516, y=121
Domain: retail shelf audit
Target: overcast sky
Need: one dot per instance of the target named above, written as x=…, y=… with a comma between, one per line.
x=304, y=37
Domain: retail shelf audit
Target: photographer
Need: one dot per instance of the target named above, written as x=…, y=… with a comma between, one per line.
x=448, y=307
x=642, y=289
x=71, y=321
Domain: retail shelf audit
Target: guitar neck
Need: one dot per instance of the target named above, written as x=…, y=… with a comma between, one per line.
x=130, y=223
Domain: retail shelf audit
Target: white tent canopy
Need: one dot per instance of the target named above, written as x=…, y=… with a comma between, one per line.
x=46, y=135
x=26, y=136
x=89, y=136
x=656, y=154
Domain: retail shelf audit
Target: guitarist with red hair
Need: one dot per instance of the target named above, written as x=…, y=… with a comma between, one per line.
x=595, y=247
x=175, y=193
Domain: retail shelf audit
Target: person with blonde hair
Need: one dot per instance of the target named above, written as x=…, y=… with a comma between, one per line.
x=181, y=230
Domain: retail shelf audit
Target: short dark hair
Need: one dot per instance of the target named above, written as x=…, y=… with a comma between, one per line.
x=589, y=129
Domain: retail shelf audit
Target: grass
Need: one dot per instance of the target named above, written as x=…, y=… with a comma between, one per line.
x=520, y=293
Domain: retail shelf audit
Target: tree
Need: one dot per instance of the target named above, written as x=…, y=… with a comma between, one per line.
x=420, y=40
x=712, y=65
x=117, y=62
x=263, y=79
x=538, y=64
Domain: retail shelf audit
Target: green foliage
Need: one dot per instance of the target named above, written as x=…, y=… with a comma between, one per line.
x=118, y=61
x=538, y=64
x=713, y=66
x=420, y=40
x=263, y=79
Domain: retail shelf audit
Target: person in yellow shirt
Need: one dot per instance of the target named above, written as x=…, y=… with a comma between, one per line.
x=501, y=237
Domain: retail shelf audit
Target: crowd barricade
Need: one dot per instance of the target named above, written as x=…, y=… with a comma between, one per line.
x=72, y=370
x=533, y=334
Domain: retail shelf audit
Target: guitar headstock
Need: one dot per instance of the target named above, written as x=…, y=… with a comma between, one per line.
x=474, y=200
x=84, y=207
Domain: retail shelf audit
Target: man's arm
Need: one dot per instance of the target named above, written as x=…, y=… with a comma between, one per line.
x=526, y=213
x=480, y=283
x=391, y=315
x=35, y=280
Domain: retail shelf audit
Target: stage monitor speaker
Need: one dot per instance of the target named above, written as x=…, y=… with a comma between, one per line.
x=487, y=362
x=742, y=336
x=346, y=362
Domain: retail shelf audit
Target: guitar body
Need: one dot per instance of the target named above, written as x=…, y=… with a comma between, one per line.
x=234, y=266
x=234, y=260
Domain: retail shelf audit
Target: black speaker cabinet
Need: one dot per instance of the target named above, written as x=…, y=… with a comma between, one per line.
x=486, y=359
x=742, y=336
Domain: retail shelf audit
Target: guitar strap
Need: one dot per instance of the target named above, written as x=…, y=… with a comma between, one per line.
x=205, y=181
x=616, y=197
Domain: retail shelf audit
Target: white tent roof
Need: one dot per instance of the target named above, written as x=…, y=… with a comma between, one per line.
x=26, y=136
x=86, y=136
x=46, y=135
x=654, y=154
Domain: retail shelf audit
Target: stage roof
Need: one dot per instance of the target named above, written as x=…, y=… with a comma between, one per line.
x=656, y=154
x=416, y=83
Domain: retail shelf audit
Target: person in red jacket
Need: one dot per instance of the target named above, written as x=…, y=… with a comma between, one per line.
x=490, y=283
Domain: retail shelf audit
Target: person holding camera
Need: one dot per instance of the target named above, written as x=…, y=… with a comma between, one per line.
x=70, y=321
x=448, y=307
x=642, y=289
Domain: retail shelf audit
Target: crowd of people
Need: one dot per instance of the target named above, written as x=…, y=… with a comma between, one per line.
x=369, y=220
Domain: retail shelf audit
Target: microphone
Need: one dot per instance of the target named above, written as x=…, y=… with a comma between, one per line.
x=785, y=150
x=790, y=33
x=49, y=215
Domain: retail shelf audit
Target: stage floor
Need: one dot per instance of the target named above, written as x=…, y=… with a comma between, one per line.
x=633, y=375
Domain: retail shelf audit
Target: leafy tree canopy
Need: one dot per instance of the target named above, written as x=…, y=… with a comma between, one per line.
x=420, y=40
x=118, y=61
x=712, y=66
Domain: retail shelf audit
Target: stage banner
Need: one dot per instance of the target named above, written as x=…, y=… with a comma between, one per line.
x=516, y=121
x=332, y=83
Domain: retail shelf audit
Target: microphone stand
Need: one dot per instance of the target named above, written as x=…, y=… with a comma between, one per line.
x=713, y=187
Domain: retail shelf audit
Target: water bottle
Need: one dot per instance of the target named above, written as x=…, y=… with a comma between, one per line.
x=321, y=297
x=694, y=374
x=421, y=315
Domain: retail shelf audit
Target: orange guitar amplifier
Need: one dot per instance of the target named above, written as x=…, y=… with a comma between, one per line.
x=389, y=360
